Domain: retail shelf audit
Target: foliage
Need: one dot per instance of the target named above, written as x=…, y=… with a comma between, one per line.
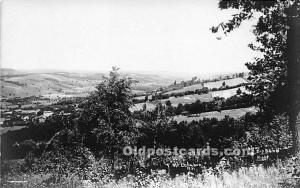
x=268, y=73
x=106, y=124
x=154, y=125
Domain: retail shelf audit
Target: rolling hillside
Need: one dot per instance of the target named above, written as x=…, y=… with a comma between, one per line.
x=61, y=84
x=210, y=85
x=188, y=99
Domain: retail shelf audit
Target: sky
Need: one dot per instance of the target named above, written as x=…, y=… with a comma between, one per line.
x=134, y=35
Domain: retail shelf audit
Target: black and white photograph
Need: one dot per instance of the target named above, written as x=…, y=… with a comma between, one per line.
x=150, y=93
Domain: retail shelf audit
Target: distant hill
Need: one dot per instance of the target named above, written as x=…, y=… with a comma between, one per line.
x=16, y=83
x=7, y=72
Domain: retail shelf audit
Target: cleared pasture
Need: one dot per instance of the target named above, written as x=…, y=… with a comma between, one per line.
x=227, y=93
x=188, y=99
x=187, y=88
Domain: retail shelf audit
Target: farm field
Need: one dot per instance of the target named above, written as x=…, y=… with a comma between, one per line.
x=234, y=113
x=188, y=99
x=139, y=106
x=227, y=93
x=187, y=88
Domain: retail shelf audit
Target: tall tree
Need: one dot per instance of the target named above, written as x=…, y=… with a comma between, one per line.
x=276, y=76
x=107, y=115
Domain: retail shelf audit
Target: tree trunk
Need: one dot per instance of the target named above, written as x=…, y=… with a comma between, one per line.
x=295, y=127
x=293, y=69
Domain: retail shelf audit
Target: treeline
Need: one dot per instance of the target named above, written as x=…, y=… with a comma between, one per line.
x=224, y=133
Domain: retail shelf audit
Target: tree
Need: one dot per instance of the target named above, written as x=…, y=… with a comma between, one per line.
x=108, y=117
x=168, y=103
x=145, y=106
x=275, y=77
x=40, y=112
x=193, y=79
x=238, y=91
x=179, y=109
x=224, y=84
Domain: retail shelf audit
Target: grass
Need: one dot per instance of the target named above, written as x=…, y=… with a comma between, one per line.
x=188, y=99
x=275, y=176
x=139, y=106
x=227, y=93
x=252, y=177
x=187, y=88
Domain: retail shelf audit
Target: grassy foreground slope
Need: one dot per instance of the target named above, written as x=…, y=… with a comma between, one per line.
x=252, y=177
x=245, y=177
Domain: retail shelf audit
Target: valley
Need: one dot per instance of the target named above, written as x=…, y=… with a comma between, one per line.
x=31, y=95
